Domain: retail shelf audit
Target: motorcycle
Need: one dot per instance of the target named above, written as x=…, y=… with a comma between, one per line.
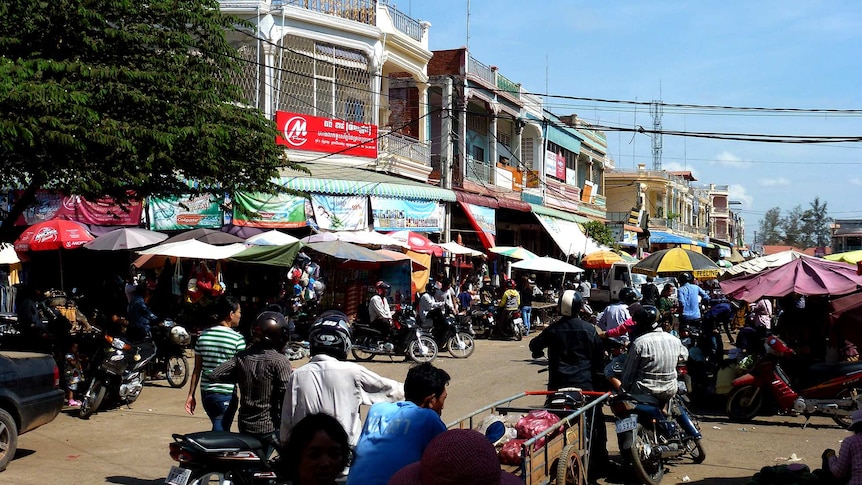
x=118, y=367
x=832, y=390
x=511, y=324
x=171, y=341
x=407, y=338
x=451, y=335
x=218, y=457
x=648, y=436
x=480, y=321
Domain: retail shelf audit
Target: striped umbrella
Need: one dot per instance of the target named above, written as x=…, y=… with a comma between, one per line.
x=671, y=262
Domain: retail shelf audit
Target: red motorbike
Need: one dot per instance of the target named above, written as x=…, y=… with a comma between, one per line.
x=832, y=390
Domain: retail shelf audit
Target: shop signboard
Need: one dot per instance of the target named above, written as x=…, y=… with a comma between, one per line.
x=340, y=213
x=174, y=213
x=101, y=212
x=398, y=214
x=328, y=135
x=268, y=210
x=555, y=164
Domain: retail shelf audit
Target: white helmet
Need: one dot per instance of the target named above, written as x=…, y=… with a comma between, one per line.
x=570, y=303
x=180, y=336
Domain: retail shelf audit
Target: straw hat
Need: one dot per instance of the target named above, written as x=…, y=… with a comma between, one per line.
x=457, y=456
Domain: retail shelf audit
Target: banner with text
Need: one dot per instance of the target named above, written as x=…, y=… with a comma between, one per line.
x=328, y=135
x=175, y=213
x=102, y=212
x=414, y=215
x=268, y=210
x=340, y=213
x=555, y=164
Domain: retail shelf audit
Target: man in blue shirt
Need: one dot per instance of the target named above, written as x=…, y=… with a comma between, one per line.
x=689, y=297
x=396, y=434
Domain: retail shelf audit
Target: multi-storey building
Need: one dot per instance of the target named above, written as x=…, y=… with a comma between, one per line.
x=846, y=235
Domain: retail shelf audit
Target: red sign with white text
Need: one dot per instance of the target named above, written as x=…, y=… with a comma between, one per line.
x=328, y=135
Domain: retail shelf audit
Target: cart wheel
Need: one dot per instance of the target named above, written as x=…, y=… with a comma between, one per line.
x=570, y=467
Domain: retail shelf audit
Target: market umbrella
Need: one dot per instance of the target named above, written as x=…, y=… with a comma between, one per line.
x=723, y=263
x=803, y=276
x=271, y=238
x=458, y=249
x=516, y=252
x=396, y=256
x=194, y=249
x=762, y=263
x=204, y=235
x=669, y=262
x=54, y=234
x=847, y=257
x=600, y=259
x=126, y=238
x=348, y=251
x=282, y=255
x=417, y=242
x=845, y=314
x=546, y=264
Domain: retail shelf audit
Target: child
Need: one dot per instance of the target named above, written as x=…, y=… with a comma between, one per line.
x=73, y=375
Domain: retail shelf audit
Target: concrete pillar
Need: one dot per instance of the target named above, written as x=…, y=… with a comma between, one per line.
x=269, y=78
x=492, y=146
x=422, y=87
x=462, y=133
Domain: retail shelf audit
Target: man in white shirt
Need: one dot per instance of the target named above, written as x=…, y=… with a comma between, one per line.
x=378, y=309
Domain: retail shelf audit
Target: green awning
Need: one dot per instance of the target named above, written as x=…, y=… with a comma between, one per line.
x=551, y=212
x=339, y=180
x=269, y=255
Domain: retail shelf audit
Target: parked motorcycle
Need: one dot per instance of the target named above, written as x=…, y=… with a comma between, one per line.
x=116, y=371
x=450, y=334
x=832, y=390
x=481, y=321
x=408, y=338
x=648, y=437
x=218, y=457
x=171, y=341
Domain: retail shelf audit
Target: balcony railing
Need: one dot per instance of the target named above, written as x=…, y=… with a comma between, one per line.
x=405, y=147
x=720, y=212
x=403, y=22
x=483, y=72
x=478, y=170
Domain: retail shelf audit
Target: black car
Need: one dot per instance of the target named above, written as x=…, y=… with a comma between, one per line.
x=30, y=396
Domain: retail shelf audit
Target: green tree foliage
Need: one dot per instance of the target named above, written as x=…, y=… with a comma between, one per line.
x=770, y=228
x=600, y=232
x=104, y=97
x=791, y=227
x=816, y=223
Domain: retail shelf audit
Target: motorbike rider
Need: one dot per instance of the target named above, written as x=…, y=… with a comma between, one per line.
x=429, y=308
x=650, y=367
x=649, y=292
x=511, y=299
x=330, y=384
x=261, y=372
x=378, y=309
x=689, y=296
x=575, y=359
x=139, y=315
x=617, y=313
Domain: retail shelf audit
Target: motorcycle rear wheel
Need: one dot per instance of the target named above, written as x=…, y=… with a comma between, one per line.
x=744, y=403
x=519, y=335
x=649, y=470
x=177, y=370
x=90, y=404
x=844, y=421
x=416, y=353
x=361, y=355
x=461, y=345
x=211, y=478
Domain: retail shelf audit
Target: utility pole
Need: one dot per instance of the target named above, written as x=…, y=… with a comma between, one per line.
x=446, y=162
x=656, y=109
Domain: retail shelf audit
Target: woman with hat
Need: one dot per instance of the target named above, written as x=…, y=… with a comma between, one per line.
x=847, y=464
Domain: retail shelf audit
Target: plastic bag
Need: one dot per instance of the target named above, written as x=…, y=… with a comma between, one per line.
x=534, y=423
x=510, y=453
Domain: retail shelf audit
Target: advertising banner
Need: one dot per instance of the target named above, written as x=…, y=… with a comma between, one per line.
x=328, y=135
x=340, y=213
x=174, y=213
x=102, y=212
x=415, y=215
x=483, y=220
x=555, y=164
x=268, y=210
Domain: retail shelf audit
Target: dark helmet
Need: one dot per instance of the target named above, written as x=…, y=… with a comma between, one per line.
x=685, y=278
x=570, y=303
x=330, y=335
x=628, y=296
x=271, y=330
x=645, y=318
x=431, y=286
x=510, y=283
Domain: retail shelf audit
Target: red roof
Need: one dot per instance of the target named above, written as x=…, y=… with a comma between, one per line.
x=767, y=250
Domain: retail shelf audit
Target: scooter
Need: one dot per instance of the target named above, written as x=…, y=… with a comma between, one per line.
x=218, y=457
x=171, y=341
x=118, y=367
x=407, y=338
x=510, y=324
x=482, y=321
x=449, y=334
x=832, y=390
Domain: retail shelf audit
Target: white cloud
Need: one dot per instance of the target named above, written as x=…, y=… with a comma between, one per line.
x=678, y=167
x=730, y=160
x=780, y=181
x=737, y=192
x=856, y=181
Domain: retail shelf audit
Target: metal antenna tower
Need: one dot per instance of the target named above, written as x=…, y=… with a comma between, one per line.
x=656, y=108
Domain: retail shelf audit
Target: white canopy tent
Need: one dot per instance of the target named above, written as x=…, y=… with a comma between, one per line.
x=568, y=235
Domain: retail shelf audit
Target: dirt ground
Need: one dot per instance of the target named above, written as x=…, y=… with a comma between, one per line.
x=130, y=445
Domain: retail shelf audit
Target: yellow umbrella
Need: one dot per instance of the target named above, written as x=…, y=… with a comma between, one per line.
x=673, y=261
x=600, y=259
x=852, y=257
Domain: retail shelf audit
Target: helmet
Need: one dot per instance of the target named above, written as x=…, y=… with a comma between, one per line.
x=180, y=336
x=431, y=286
x=330, y=335
x=570, y=303
x=685, y=278
x=510, y=283
x=271, y=330
x=382, y=285
x=628, y=296
x=646, y=319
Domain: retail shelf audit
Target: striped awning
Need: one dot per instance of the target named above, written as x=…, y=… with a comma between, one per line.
x=550, y=211
x=354, y=181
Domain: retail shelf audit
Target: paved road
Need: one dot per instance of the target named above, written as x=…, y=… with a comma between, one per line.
x=129, y=446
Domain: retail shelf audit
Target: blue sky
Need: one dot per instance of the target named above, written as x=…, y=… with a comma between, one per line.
x=771, y=54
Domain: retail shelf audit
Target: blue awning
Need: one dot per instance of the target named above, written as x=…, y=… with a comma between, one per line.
x=659, y=237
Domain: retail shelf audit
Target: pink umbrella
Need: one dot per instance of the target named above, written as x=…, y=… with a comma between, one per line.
x=803, y=276
x=418, y=242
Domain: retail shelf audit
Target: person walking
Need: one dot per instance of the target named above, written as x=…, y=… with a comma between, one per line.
x=649, y=292
x=525, y=290
x=214, y=346
x=689, y=296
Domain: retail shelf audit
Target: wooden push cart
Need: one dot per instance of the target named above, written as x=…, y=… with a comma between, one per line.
x=564, y=457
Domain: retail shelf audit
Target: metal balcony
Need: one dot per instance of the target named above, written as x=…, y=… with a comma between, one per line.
x=405, y=147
